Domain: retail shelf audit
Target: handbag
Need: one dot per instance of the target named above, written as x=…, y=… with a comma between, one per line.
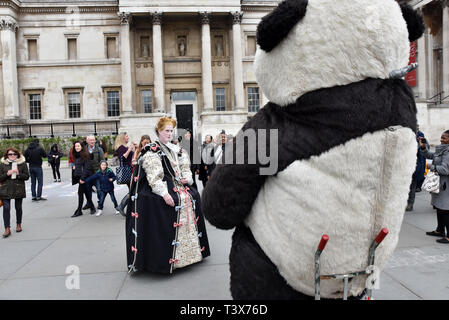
x=431, y=182
x=123, y=173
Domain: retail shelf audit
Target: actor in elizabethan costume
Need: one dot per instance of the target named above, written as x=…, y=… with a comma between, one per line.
x=165, y=228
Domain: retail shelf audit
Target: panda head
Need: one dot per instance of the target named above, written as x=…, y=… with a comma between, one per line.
x=305, y=45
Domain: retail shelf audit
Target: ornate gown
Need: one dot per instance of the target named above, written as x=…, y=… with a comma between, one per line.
x=161, y=238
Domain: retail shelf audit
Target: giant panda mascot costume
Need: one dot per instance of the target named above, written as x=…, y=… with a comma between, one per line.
x=346, y=148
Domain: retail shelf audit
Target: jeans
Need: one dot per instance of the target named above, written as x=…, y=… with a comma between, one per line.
x=36, y=173
x=102, y=197
x=7, y=210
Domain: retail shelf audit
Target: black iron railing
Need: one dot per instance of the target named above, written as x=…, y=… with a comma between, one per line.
x=437, y=99
x=50, y=130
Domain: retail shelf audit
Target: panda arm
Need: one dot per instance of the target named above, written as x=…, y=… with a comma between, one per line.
x=233, y=188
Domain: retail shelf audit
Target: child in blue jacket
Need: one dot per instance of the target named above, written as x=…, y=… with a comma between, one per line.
x=107, y=178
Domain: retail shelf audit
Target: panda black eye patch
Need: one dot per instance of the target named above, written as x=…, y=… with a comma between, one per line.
x=276, y=25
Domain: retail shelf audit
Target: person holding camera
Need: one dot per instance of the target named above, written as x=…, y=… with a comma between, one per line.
x=440, y=201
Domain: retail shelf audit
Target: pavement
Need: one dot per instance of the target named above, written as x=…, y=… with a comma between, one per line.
x=43, y=261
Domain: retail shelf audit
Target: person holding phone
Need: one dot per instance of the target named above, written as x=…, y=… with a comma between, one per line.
x=13, y=174
x=440, y=201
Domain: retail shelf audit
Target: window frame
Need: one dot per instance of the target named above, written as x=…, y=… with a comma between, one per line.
x=247, y=97
x=68, y=91
x=141, y=106
x=115, y=35
x=106, y=90
x=27, y=94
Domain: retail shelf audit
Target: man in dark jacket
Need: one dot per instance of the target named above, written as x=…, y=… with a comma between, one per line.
x=33, y=155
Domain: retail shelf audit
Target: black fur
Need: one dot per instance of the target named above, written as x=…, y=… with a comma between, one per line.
x=415, y=22
x=276, y=25
x=317, y=122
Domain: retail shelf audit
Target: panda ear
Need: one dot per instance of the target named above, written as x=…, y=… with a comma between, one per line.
x=415, y=22
x=276, y=25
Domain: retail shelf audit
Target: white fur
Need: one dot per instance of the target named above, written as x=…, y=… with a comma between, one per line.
x=337, y=42
x=350, y=193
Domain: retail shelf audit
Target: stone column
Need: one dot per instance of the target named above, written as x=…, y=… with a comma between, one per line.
x=158, y=62
x=422, y=72
x=445, y=5
x=429, y=64
x=238, y=64
x=8, y=27
x=206, y=63
x=125, y=55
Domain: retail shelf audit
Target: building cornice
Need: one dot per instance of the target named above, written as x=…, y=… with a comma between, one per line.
x=58, y=10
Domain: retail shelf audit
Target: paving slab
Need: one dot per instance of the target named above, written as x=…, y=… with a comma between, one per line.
x=99, y=286
x=91, y=255
x=195, y=282
x=15, y=254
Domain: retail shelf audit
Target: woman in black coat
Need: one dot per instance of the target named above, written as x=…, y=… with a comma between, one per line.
x=13, y=174
x=80, y=172
x=54, y=159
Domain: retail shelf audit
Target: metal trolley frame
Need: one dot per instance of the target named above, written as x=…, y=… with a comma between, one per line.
x=318, y=277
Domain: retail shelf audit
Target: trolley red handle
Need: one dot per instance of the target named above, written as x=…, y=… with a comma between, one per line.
x=323, y=242
x=381, y=236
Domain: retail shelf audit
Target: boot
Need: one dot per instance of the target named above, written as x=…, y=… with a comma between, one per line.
x=7, y=232
x=77, y=213
x=92, y=210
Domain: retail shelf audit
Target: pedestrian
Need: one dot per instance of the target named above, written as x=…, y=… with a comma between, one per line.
x=144, y=140
x=421, y=164
x=95, y=155
x=219, y=151
x=33, y=155
x=189, y=145
x=80, y=172
x=54, y=159
x=165, y=229
x=13, y=174
x=207, y=156
x=440, y=201
x=125, y=154
x=104, y=147
x=106, y=178
x=418, y=175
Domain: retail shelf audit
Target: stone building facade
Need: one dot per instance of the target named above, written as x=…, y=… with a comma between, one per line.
x=118, y=65
x=431, y=80
x=123, y=64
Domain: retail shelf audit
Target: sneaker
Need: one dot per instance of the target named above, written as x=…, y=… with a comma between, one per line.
x=409, y=207
x=41, y=198
x=59, y=180
x=121, y=211
x=117, y=210
x=55, y=180
x=99, y=212
x=34, y=199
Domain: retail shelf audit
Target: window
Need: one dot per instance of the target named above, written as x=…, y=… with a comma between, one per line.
x=250, y=46
x=34, y=104
x=111, y=48
x=32, y=49
x=183, y=95
x=253, y=99
x=74, y=104
x=147, y=101
x=220, y=99
x=71, y=49
x=113, y=103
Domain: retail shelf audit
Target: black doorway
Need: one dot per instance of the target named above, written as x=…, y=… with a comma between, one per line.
x=184, y=116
